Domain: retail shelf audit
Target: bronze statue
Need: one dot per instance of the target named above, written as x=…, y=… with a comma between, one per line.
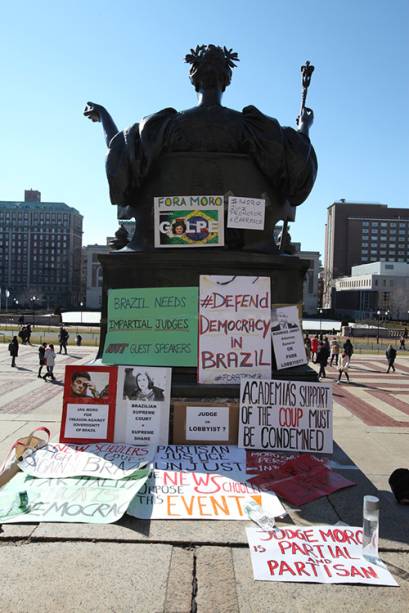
x=209, y=149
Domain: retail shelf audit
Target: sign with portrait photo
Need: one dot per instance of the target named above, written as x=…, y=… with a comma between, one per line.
x=142, y=405
x=89, y=404
x=288, y=343
x=189, y=221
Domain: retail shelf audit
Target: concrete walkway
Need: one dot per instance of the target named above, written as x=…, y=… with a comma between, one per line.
x=183, y=566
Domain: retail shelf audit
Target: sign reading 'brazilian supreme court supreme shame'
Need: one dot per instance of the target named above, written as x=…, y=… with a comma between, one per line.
x=152, y=326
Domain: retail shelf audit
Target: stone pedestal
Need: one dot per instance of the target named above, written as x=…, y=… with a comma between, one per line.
x=182, y=268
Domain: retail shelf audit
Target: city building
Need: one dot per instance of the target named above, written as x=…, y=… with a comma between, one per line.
x=40, y=253
x=92, y=274
x=378, y=287
x=360, y=233
x=311, y=281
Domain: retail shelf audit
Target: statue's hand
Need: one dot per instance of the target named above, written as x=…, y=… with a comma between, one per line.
x=305, y=120
x=94, y=111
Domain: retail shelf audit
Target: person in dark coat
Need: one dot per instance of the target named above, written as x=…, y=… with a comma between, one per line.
x=41, y=358
x=322, y=358
x=13, y=349
x=348, y=348
x=391, y=356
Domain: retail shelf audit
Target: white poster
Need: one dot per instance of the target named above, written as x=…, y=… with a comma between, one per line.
x=103, y=460
x=234, y=328
x=207, y=423
x=285, y=416
x=142, y=405
x=88, y=421
x=314, y=554
x=287, y=337
x=246, y=213
x=76, y=499
x=194, y=495
x=227, y=459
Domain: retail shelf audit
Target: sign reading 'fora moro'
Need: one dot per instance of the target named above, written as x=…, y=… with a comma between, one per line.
x=189, y=221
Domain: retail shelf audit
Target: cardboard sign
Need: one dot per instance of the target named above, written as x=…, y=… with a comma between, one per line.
x=186, y=495
x=203, y=421
x=234, y=329
x=105, y=460
x=142, y=405
x=246, y=213
x=89, y=404
x=287, y=337
x=201, y=458
x=285, y=416
x=80, y=499
x=189, y=221
x=301, y=480
x=319, y=554
x=152, y=327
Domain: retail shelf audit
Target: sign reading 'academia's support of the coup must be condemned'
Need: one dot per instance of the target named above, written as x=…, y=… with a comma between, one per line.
x=285, y=416
x=234, y=328
x=152, y=326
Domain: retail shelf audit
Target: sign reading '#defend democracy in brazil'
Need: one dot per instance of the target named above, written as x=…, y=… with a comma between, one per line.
x=234, y=328
x=285, y=416
x=152, y=327
x=189, y=221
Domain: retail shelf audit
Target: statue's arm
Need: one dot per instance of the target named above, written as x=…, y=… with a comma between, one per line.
x=305, y=121
x=96, y=112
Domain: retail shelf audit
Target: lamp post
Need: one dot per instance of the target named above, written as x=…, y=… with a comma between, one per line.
x=81, y=305
x=33, y=299
x=320, y=312
x=377, y=335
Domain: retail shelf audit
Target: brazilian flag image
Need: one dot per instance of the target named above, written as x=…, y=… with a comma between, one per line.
x=190, y=228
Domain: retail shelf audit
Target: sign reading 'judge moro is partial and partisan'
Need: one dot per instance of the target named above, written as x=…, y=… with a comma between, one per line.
x=152, y=326
x=285, y=416
x=234, y=328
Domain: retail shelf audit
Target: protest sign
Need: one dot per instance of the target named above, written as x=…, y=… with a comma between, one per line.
x=189, y=221
x=142, y=405
x=266, y=461
x=285, y=416
x=198, y=422
x=152, y=327
x=319, y=554
x=76, y=499
x=201, y=458
x=89, y=404
x=301, y=480
x=194, y=495
x=287, y=337
x=246, y=213
x=103, y=460
x=234, y=328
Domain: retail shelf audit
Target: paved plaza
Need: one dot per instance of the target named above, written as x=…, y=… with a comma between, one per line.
x=204, y=566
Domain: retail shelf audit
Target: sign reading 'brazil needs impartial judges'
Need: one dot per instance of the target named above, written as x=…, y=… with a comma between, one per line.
x=152, y=326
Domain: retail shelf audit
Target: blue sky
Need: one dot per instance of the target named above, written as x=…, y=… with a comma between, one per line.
x=128, y=56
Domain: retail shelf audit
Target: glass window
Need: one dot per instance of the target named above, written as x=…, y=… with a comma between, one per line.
x=384, y=224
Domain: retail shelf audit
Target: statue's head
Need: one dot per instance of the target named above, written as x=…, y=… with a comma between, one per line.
x=211, y=66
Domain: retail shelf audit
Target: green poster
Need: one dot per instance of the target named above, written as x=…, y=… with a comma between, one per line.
x=152, y=326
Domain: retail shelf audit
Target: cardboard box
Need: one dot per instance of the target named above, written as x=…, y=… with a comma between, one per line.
x=205, y=423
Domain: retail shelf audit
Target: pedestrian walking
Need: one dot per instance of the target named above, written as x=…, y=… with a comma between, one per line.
x=23, y=335
x=13, y=350
x=348, y=348
x=314, y=348
x=322, y=359
x=28, y=333
x=50, y=362
x=307, y=346
x=78, y=340
x=63, y=339
x=402, y=343
x=334, y=352
x=41, y=358
x=391, y=356
x=343, y=367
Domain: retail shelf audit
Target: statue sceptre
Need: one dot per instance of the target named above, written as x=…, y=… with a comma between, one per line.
x=306, y=71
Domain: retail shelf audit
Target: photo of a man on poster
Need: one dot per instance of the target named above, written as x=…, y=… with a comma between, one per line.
x=83, y=386
x=280, y=320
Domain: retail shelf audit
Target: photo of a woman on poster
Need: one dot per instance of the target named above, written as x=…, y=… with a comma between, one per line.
x=140, y=386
